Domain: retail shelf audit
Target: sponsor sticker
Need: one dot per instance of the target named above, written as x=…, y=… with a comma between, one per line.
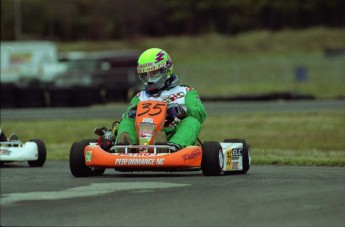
x=139, y=161
x=145, y=132
x=228, y=159
x=233, y=157
x=236, y=152
x=191, y=156
x=143, y=154
x=235, y=165
x=5, y=152
x=88, y=156
x=145, y=65
x=149, y=67
x=148, y=120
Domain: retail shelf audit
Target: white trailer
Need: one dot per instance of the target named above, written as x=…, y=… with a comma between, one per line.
x=25, y=61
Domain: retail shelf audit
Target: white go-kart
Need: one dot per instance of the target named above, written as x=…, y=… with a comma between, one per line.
x=13, y=150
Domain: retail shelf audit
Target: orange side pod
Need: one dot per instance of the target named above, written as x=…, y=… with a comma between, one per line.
x=187, y=157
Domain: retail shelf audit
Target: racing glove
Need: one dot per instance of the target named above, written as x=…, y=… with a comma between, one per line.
x=175, y=110
x=133, y=112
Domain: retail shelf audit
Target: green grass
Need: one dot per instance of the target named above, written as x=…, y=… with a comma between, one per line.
x=254, y=62
x=281, y=138
x=315, y=138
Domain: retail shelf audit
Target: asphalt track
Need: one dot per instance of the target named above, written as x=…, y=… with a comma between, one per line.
x=265, y=196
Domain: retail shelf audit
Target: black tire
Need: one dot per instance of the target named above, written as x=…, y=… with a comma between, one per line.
x=245, y=156
x=77, y=160
x=3, y=137
x=212, y=158
x=97, y=171
x=42, y=154
x=90, y=140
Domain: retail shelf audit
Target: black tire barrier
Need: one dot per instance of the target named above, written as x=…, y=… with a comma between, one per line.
x=259, y=97
x=14, y=97
x=116, y=95
x=8, y=96
x=31, y=97
x=60, y=97
x=83, y=96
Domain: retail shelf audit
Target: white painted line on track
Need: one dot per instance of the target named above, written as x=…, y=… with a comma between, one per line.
x=94, y=189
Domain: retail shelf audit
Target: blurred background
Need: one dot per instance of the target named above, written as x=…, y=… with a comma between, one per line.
x=84, y=52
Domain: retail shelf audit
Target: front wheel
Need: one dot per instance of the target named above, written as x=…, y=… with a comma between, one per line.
x=212, y=158
x=97, y=171
x=42, y=153
x=77, y=160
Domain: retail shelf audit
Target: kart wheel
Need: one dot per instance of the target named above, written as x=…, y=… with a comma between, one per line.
x=245, y=155
x=90, y=140
x=42, y=154
x=212, y=158
x=77, y=160
x=97, y=171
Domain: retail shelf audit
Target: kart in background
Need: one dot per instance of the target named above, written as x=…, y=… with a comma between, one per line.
x=213, y=158
x=13, y=150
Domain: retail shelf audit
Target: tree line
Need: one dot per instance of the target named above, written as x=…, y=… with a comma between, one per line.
x=69, y=20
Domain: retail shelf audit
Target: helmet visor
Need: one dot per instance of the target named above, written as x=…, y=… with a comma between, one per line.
x=152, y=76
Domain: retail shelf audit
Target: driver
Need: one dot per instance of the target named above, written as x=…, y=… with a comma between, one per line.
x=185, y=109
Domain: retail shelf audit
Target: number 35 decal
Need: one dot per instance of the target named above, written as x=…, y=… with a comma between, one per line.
x=152, y=110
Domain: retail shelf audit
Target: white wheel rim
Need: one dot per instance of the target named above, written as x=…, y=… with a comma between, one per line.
x=221, y=158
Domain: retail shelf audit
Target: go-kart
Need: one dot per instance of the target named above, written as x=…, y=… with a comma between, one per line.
x=13, y=150
x=87, y=158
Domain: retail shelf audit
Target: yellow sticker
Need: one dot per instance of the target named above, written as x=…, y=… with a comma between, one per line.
x=228, y=159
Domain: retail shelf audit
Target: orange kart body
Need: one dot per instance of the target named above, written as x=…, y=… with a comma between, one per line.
x=213, y=158
x=150, y=119
x=186, y=158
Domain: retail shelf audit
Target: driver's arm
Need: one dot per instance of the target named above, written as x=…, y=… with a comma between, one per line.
x=195, y=108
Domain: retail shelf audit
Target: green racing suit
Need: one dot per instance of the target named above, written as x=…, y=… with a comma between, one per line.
x=184, y=131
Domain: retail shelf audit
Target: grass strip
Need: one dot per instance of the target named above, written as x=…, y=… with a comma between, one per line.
x=314, y=138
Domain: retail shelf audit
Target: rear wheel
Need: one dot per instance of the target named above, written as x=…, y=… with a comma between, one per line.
x=212, y=158
x=245, y=156
x=42, y=153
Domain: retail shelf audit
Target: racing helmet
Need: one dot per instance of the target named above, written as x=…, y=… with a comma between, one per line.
x=154, y=69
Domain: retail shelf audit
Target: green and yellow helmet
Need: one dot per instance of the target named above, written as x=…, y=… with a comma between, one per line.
x=154, y=68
